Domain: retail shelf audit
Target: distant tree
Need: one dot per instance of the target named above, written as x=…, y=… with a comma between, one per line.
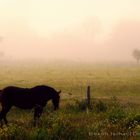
x=136, y=55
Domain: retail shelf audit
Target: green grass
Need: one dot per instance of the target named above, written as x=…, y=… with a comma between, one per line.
x=107, y=119
x=105, y=81
x=115, y=90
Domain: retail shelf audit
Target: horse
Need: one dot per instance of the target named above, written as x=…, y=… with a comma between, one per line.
x=27, y=98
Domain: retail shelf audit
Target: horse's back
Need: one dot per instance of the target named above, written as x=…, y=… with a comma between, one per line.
x=19, y=97
x=28, y=97
x=14, y=89
x=43, y=88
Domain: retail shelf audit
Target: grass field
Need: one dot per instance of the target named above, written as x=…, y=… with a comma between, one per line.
x=115, y=108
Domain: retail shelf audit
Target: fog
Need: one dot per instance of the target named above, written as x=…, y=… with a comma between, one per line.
x=80, y=30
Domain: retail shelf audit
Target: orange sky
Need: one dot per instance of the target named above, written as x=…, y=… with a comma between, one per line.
x=76, y=29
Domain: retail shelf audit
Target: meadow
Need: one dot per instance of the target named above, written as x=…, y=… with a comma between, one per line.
x=114, y=111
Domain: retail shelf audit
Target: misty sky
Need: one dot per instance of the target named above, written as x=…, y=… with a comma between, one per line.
x=91, y=30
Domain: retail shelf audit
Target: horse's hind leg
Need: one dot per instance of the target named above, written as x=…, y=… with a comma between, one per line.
x=1, y=120
x=1, y=123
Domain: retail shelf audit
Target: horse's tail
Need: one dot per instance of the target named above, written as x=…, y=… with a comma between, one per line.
x=0, y=95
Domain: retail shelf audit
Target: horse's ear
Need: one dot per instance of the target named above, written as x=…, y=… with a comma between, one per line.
x=59, y=92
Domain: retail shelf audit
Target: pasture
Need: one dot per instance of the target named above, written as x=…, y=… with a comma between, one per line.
x=115, y=107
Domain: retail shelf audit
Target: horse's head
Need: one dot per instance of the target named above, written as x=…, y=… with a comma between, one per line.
x=56, y=99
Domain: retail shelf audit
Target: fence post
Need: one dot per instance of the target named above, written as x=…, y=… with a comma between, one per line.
x=88, y=97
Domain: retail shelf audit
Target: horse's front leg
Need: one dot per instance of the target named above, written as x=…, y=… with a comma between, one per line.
x=37, y=113
x=1, y=123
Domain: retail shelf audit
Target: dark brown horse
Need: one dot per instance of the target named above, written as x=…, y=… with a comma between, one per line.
x=27, y=98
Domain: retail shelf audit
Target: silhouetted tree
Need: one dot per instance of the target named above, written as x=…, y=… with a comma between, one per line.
x=136, y=55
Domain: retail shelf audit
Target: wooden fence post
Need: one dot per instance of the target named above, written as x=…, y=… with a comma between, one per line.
x=88, y=96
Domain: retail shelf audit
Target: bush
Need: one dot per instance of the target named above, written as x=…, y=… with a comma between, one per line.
x=132, y=122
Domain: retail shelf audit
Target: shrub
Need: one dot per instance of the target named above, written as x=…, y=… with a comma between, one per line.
x=132, y=122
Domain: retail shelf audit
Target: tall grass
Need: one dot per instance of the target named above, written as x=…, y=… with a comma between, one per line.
x=104, y=120
x=114, y=112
